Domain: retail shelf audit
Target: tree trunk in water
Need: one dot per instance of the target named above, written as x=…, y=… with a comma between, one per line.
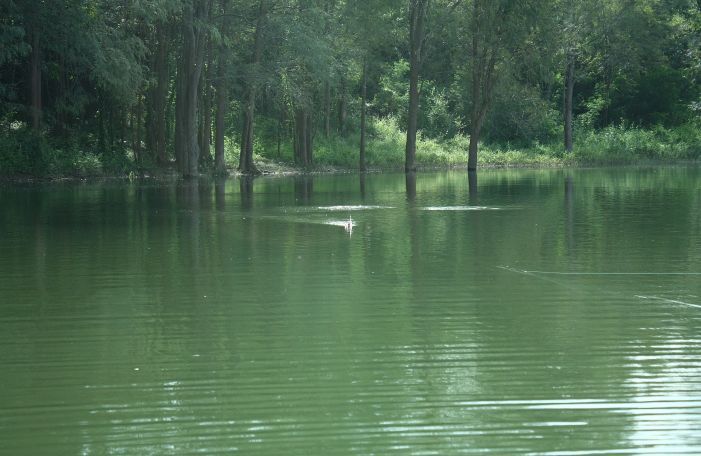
x=475, y=131
x=363, y=108
x=484, y=79
x=472, y=187
x=416, y=38
x=35, y=81
x=246, y=165
x=568, y=93
x=186, y=146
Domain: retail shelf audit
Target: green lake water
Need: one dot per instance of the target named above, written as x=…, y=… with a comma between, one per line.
x=532, y=312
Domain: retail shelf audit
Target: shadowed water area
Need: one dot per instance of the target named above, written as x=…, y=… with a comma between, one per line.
x=533, y=312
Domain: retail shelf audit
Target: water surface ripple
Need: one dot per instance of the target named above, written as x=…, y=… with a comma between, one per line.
x=180, y=318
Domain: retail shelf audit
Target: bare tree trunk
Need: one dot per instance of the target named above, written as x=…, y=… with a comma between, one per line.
x=568, y=93
x=363, y=108
x=35, y=81
x=246, y=165
x=416, y=38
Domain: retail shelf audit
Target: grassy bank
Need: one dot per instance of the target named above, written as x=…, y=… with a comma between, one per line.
x=610, y=146
x=24, y=154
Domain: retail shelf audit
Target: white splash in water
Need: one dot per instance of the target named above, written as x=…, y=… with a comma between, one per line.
x=669, y=301
x=460, y=208
x=351, y=208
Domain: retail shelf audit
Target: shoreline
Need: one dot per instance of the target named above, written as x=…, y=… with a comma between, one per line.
x=275, y=169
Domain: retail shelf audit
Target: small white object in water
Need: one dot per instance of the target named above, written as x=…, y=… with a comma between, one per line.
x=348, y=225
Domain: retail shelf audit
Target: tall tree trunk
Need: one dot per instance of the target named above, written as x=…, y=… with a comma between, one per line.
x=186, y=146
x=205, y=108
x=363, y=108
x=35, y=81
x=303, y=138
x=327, y=109
x=417, y=14
x=222, y=97
x=157, y=99
x=206, y=140
x=219, y=165
x=246, y=165
x=342, y=108
x=484, y=55
x=567, y=105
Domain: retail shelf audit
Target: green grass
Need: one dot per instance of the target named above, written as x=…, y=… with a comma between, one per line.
x=610, y=146
x=24, y=153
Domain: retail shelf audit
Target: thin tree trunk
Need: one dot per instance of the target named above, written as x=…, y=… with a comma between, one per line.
x=205, y=107
x=327, y=109
x=137, y=131
x=35, y=81
x=303, y=141
x=246, y=165
x=568, y=93
x=158, y=105
x=484, y=79
x=416, y=38
x=363, y=108
x=342, y=108
x=219, y=165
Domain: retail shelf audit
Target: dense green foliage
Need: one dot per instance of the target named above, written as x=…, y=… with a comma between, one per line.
x=94, y=86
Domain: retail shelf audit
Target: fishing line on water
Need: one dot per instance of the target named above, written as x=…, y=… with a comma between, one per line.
x=542, y=275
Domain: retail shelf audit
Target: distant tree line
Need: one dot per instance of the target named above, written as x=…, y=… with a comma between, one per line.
x=166, y=82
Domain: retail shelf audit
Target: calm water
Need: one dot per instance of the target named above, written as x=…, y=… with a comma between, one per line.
x=544, y=312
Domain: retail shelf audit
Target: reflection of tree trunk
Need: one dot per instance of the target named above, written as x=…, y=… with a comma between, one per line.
x=472, y=186
x=416, y=37
x=220, y=193
x=363, y=108
x=246, y=188
x=569, y=212
x=304, y=189
x=35, y=81
x=362, y=186
x=568, y=93
x=411, y=187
